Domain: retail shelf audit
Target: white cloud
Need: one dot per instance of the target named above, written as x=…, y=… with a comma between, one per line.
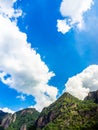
x=21, y=97
x=74, y=10
x=7, y=10
x=5, y=109
x=46, y=96
x=63, y=26
x=81, y=84
x=27, y=72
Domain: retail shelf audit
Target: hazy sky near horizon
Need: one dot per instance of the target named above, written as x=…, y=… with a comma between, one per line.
x=46, y=48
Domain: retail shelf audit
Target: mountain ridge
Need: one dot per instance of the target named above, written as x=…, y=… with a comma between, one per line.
x=66, y=113
x=20, y=120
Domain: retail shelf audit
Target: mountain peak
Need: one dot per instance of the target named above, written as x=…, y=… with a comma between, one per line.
x=69, y=113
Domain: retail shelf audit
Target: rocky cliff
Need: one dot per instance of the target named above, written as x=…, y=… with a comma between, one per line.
x=2, y=116
x=93, y=96
x=20, y=120
x=69, y=113
x=66, y=113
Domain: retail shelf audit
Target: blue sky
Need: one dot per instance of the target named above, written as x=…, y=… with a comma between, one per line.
x=47, y=47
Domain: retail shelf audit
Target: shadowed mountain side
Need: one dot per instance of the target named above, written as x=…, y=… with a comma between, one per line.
x=20, y=120
x=93, y=96
x=2, y=116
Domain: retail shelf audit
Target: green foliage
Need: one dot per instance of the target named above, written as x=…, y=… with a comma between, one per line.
x=67, y=113
x=70, y=114
x=51, y=126
x=26, y=116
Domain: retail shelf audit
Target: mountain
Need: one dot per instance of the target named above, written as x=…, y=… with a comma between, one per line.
x=2, y=115
x=68, y=113
x=20, y=120
x=93, y=96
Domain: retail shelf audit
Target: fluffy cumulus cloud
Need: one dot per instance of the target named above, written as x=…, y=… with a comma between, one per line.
x=63, y=26
x=72, y=12
x=84, y=82
x=21, y=66
x=5, y=109
x=7, y=10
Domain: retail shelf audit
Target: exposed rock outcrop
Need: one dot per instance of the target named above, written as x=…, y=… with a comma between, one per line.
x=20, y=120
x=69, y=113
x=92, y=96
x=2, y=115
x=10, y=118
x=23, y=127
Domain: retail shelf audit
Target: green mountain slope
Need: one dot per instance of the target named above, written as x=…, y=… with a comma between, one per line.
x=66, y=113
x=23, y=119
x=69, y=113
